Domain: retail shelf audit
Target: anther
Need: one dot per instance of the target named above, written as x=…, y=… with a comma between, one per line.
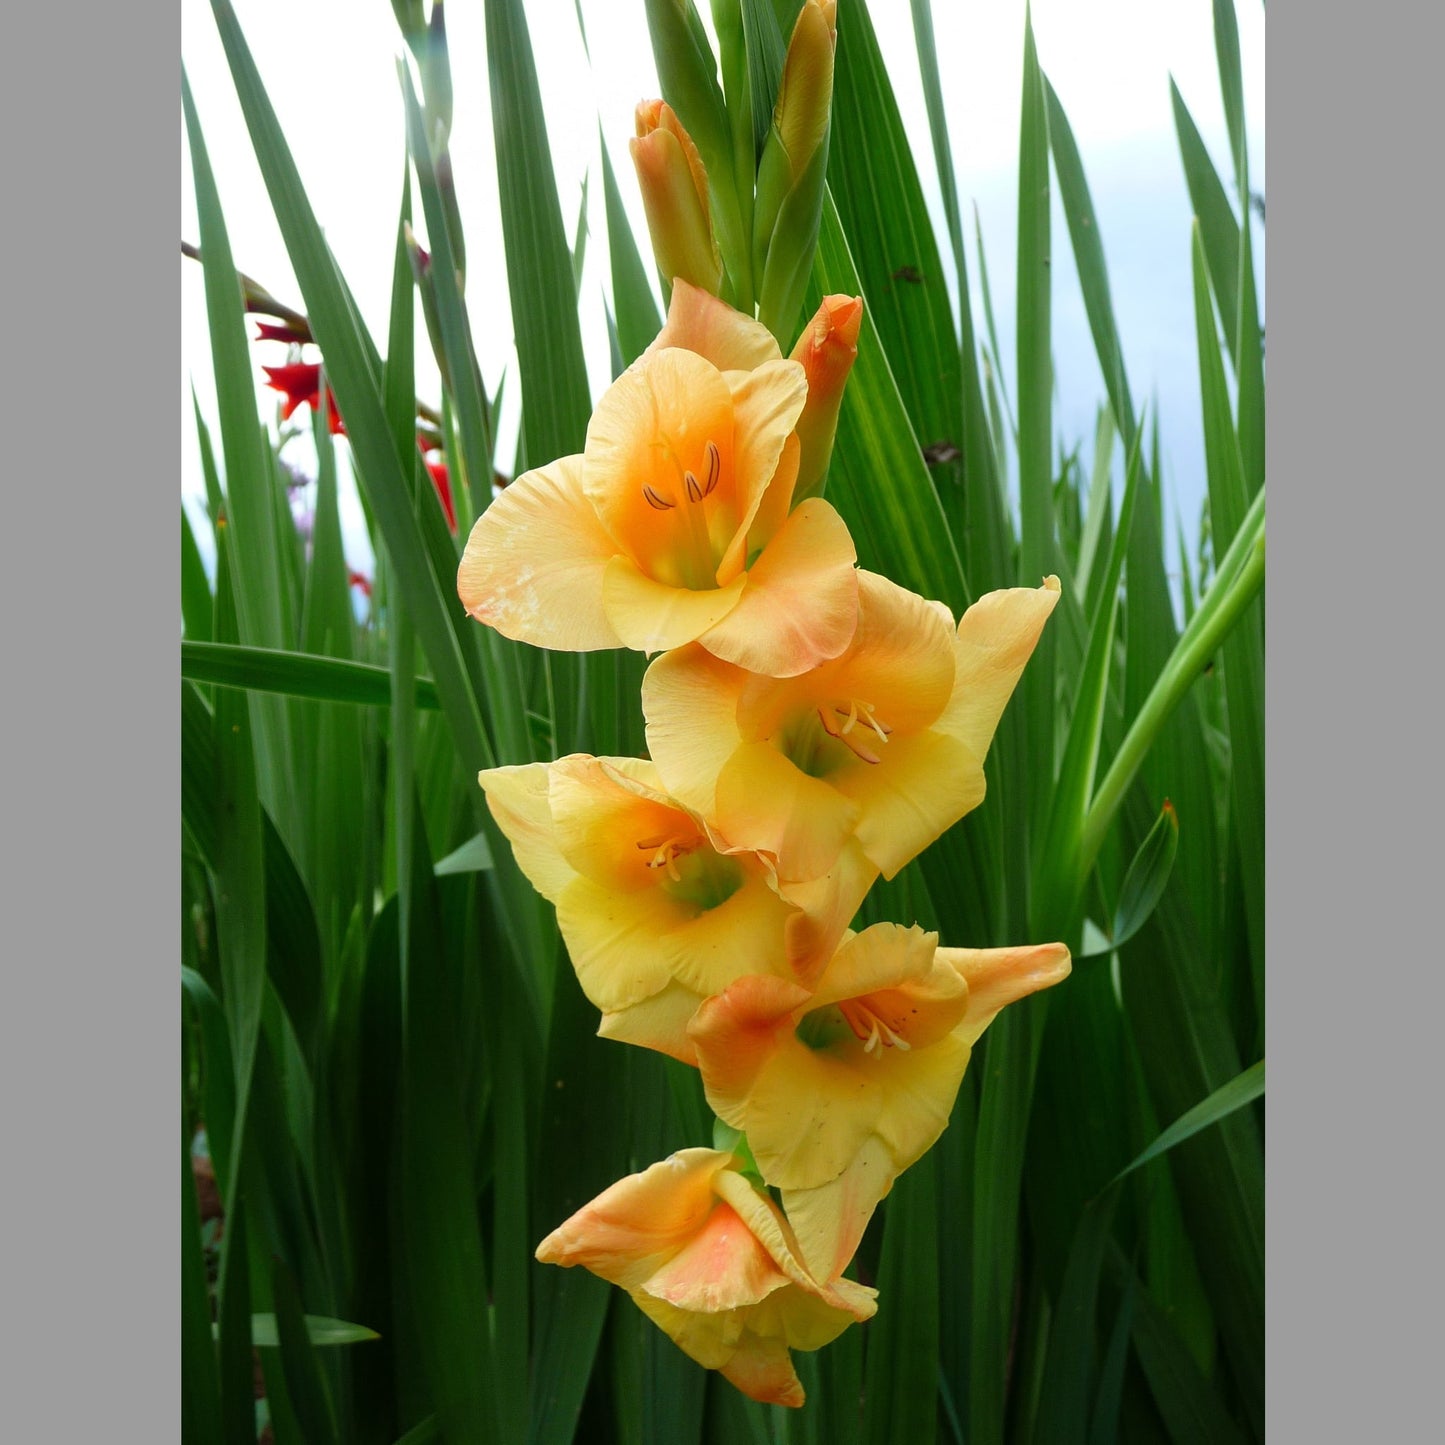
x=714, y=468
x=844, y=736
x=694, y=492
x=653, y=500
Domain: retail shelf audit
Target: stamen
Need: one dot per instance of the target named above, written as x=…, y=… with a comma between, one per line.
x=855, y=745
x=714, y=468
x=653, y=500
x=666, y=850
x=694, y=492
x=869, y=1029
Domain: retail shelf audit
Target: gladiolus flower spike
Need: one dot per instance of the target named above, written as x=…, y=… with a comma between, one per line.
x=810, y=727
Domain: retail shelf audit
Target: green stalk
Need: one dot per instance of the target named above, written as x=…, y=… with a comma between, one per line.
x=1240, y=577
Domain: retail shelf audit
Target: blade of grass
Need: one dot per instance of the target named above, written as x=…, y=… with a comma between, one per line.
x=900, y=1386
x=296, y=674
x=354, y=381
x=200, y=1386
x=637, y=316
x=1244, y=648
x=1243, y=1089
x=1218, y=227
x=1088, y=248
x=539, y=268
x=195, y=589
x=304, y=1382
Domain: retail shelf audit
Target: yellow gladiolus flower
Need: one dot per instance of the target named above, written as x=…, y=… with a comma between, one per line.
x=884, y=745
x=656, y=912
x=676, y=523
x=840, y=1090
x=711, y=1260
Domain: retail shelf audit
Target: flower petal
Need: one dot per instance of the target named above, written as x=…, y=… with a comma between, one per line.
x=700, y=322
x=618, y=941
x=922, y=785
x=765, y=803
x=800, y=607
x=651, y=616
x=826, y=906
x=763, y=1369
x=885, y=956
x=519, y=800
x=767, y=403
x=534, y=562
x=996, y=637
x=667, y=419
x=724, y=1266
x=997, y=977
x=633, y=1227
x=829, y=1221
x=659, y=1022
x=806, y=1112
x=689, y=698
x=601, y=813
x=744, y=934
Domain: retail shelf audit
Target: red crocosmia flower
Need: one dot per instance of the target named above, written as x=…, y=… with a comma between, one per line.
x=359, y=579
x=443, y=483
x=282, y=331
x=300, y=384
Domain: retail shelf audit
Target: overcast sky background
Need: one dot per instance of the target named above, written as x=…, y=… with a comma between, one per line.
x=330, y=69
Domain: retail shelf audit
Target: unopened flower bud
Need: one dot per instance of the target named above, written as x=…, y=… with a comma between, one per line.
x=792, y=170
x=674, y=194
x=827, y=349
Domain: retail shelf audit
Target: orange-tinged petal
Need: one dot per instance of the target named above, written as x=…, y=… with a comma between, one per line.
x=777, y=503
x=766, y=804
x=806, y=1112
x=603, y=809
x=689, y=698
x=829, y=1221
x=924, y=784
x=722, y=1267
x=652, y=616
x=800, y=606
x=659, y=1023
x=763, y=1370
x=827, y=906
x=632, y=1228
x=747, y=933
x=827, y=348
x=996, y=637
x=997, y=977
x=767, y=402
x=885, y=956
x=518, y=798
x=534, y=562
x=699, y=322
x=659, y=466
x=618, y=941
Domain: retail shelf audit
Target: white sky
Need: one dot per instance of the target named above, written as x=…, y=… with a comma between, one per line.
x=330, y=69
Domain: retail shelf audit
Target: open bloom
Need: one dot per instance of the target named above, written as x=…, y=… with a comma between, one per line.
x=709, y=1258
x=841, y=1089
x=884, y=744
x=300, y=384
x=674, y=525
x=656, y=913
